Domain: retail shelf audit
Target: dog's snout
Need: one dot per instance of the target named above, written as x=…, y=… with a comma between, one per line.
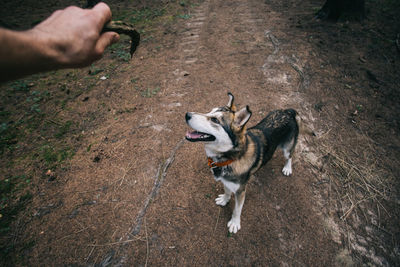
x=188, y=116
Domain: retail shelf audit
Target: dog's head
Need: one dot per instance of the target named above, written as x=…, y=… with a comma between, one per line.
x=222, y=129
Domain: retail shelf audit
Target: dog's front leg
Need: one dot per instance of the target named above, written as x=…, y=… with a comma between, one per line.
x=223, y=199
x=234, y=223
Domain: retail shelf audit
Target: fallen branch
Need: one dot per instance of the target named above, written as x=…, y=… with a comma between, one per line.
x=160, y=177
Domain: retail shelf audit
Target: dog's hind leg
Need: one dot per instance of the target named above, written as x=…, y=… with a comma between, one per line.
x=223, y=199
x=234, y=223
x=287, y=169
x=288, y=150
x=289, y=144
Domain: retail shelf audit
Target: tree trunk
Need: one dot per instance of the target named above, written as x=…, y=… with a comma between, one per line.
x=333, y=9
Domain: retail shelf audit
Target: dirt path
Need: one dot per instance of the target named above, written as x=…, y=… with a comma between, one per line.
x=138, y=195
x=237, y=52
x=112, y=207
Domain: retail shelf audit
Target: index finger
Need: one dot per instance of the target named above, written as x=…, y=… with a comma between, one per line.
x=103, y=13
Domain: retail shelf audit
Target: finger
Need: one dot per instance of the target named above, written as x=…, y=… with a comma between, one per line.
x=105, y=40
x=103, y=13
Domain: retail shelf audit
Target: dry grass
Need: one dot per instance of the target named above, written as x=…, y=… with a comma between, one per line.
x=361, y=176
x=358, y=173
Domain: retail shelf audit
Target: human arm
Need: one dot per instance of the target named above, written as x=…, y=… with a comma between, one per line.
x=68, y=38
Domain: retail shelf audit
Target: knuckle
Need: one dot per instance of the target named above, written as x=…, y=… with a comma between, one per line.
x=72, y=8
x=56, y=13
x=92, y=34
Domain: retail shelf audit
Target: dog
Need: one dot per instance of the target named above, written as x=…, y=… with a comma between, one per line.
x=235, y=152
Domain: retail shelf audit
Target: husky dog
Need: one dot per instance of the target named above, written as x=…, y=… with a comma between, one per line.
x=235, y=153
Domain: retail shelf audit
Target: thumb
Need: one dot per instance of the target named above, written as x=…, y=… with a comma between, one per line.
x=106, y=39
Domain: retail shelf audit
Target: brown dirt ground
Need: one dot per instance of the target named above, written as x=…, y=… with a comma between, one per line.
x=135, y=195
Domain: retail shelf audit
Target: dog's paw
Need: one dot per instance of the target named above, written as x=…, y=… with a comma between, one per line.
x=234, y=225
x=222, y=200
x=287, y=170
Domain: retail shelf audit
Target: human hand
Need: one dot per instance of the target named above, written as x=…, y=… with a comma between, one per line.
x=72, y=37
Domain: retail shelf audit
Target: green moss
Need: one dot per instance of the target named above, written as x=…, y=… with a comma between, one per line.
x=53, y=156
x=63, y=129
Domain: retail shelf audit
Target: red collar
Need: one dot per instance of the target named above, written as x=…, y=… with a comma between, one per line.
x=213, y=164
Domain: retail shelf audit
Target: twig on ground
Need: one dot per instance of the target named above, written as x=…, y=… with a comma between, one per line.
x=287, y=256
x=147, y=243
x=116, y=243
x=120, y=144
x=186, y=220
x=126, y=172
x=54, y=122
x=216, y=224
x=160, y=177
x=76, y=232
x=91, y=251
x=320, y=136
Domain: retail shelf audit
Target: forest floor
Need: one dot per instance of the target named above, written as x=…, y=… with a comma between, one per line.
x=95, y=169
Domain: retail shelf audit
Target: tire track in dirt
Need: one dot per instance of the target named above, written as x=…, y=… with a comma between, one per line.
x=187, y=49
x=279, y=71
x=190, y=41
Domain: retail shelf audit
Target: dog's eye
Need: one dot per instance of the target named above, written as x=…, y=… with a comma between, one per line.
x=215, y=120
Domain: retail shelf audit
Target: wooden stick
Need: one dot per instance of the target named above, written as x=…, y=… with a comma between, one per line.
x=121, y=27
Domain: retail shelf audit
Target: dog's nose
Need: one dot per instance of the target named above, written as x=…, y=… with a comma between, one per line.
x=188, y=116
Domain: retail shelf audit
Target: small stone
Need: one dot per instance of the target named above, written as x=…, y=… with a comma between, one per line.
x=96, y=159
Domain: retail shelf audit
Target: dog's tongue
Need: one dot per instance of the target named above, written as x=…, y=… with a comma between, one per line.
x=193, y=135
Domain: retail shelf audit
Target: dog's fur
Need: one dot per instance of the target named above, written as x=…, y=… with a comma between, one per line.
x=223, y=130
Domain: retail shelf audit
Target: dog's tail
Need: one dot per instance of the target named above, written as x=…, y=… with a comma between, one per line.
x=303, y=128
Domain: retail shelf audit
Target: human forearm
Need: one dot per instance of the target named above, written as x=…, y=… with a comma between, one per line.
x=68, y=38
x=23, y=53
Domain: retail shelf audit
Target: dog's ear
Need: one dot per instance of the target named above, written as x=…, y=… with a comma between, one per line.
x=242, y=117
x=230, y=104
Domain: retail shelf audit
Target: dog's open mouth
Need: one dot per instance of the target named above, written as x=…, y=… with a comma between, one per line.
x=196, y=136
